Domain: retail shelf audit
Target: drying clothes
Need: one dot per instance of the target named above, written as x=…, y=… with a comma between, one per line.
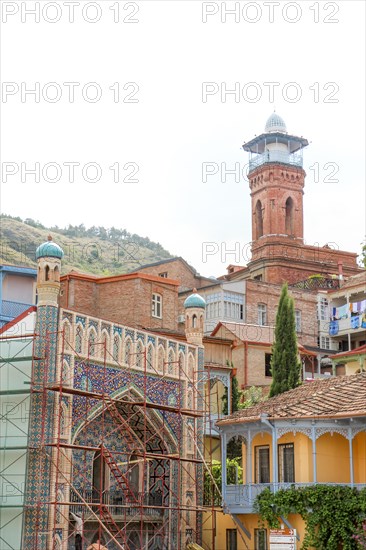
x=342, y=312
x=363, y=323
x=355, y=321
x=333, y=328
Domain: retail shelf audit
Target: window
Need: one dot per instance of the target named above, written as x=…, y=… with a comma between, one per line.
x=325, y=342
x=213, y=307
x=233, y=305
x=258, y=277
x=262, y=314
x=164, y=275
x=289, y=223
x=297, y=320
x=267, y=364
x=262, y=464
x=260, y=539
x=156, y=306
x=259, y=219
x=323, y=310
x=231, y=539
x=286, y=463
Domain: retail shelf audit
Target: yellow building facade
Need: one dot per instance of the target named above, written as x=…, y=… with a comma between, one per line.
x=312, y=435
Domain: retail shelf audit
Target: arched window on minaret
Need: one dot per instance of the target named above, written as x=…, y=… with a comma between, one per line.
x=259, y=219
x=289, y=223
x=47, y=273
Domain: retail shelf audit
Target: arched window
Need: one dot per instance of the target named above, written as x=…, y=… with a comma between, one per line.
x=116, y=347
x=56, y=274
x=140, y=355
x=161, y=359
x=289, y=223
x=47, y=273
x=128, y=350
x=150, y=357
x=91, y=342
x=194, y=321
x=259, y=219
x=79, y=338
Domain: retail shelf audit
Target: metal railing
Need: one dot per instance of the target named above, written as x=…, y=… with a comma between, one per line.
x=245, y=495
x=275, y=156
x=147, y=504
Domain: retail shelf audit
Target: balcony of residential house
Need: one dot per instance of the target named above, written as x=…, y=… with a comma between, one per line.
x=285, y=454
x=148, y=506
x=347, y=319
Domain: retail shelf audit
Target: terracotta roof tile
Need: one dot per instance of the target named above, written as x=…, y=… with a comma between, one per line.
x=341, y=396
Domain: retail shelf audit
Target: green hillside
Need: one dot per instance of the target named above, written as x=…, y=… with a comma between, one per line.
x=94, y=250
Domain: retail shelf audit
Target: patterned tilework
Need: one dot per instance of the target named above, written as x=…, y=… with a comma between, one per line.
x=114, y=381
x=40, y=430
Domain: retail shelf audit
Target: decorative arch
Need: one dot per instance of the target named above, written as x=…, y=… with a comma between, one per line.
x=128, y=351
x=66, y=329
x=92, y=337
x=139, y=355
x=105, y=341
x=116, y=347
x=194, y=321
x=190, y=366
x=161, y=358
x=79, y=337
x=171, y=362
x=259, y=219
x=181, y=364
x=47, y=273
x=289, y=221
x=150, y=357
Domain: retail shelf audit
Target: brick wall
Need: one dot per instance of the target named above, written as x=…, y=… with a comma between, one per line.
x=126, y=301
x=269, y=294
x=179, y=271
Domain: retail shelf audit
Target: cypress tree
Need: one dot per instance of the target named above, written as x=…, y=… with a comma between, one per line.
x=285, y=365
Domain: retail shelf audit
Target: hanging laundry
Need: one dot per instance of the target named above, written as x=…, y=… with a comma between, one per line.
x=362, y=306
x=363, y=324
x=342, y=312
x=355, y=321
x=333, y=328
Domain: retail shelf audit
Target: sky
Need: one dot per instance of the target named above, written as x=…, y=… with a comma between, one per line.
x=131, y=122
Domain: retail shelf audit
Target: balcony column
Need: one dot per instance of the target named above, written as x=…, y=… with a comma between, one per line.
x=313, y=440
x=274, y=459
x=249, y=464
x=350, y=442
x=223, y=465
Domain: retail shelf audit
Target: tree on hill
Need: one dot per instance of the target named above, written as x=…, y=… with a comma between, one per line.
x=285, y=364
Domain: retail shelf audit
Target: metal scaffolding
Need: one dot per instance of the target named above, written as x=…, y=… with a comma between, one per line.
x=132, y=495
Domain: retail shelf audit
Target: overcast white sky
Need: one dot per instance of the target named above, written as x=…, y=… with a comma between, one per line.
x=169, y=131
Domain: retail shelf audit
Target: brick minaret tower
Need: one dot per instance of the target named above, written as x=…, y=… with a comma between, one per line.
x=276, y=179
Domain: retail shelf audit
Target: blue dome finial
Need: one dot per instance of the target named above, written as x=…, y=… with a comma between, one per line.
x=195, y=300
x=49, y=249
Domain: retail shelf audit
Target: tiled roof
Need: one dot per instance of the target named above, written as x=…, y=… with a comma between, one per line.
x=357, y=351
x=340, y=396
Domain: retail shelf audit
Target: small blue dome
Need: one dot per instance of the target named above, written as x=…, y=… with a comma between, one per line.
x=275, y=123
x=49, y=249
x=194, y=300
